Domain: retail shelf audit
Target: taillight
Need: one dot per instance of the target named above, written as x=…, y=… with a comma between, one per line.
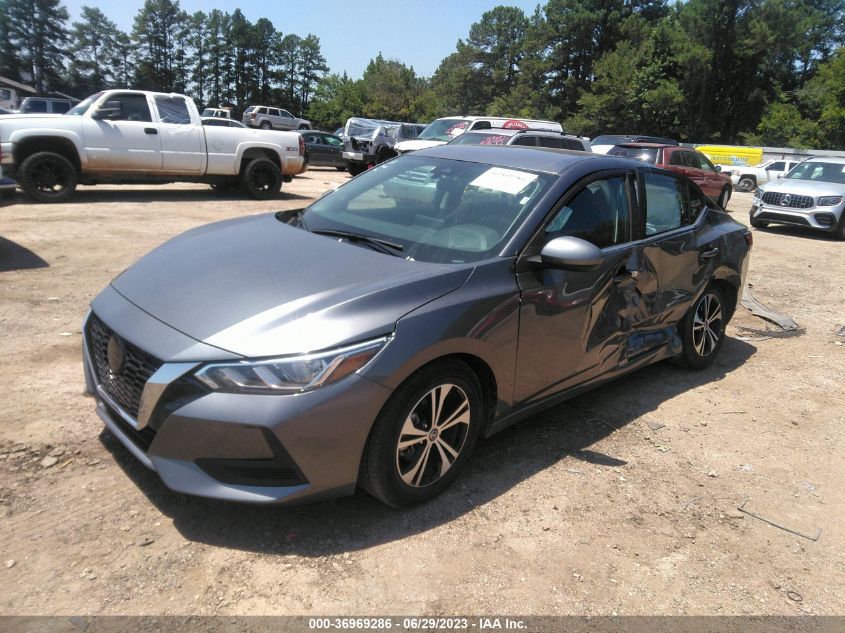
x=301, y=145
x=749, y=239
x=252, y=117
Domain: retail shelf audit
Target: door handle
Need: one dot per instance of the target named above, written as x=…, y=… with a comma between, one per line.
x=710, y=254
x=150, y=130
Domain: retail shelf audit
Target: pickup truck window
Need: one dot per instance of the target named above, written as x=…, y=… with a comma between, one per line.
x=173, y=110
x=135, y=107
x=82, y=107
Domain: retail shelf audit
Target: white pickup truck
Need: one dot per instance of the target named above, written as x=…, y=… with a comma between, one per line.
x=139, y=137
x=746, y=178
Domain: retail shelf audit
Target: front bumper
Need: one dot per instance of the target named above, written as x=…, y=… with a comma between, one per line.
x=266, y=449
x=819, y=218
x=359, y=157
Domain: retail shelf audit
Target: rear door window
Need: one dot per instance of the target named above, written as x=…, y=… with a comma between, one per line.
x=525, y=140
x=60, y=107
x=173, y=110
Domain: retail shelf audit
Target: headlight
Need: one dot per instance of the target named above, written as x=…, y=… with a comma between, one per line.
x=829, y=201
x=735, y=172
x=292, y=374
x=758, y=193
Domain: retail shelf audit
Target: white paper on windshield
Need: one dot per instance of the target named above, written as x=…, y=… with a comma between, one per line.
x=505, y=180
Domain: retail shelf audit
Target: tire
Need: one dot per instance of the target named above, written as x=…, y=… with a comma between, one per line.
x=724, y=197
x=745, y=184
x=702, y=330
x=384, y=154
x=413, y=475
x=48, y=177
x=757, y=224
x=839, y=234
x=266, y=125
x=261, y=179
x=355, y=168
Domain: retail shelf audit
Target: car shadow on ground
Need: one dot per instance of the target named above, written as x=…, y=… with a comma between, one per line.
x=800, y=232
x=95, y=195
x=499, y=463
x=13, y=256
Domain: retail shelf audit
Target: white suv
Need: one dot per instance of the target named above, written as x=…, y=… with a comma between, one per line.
x=268, y=118
x=443, y=130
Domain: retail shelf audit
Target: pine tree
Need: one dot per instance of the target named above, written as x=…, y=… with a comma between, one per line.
x=37, y=29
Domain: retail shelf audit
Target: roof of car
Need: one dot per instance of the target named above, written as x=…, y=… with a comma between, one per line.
x=504, y=132
x=647, y=145
x=551, y=161
x=826, y=159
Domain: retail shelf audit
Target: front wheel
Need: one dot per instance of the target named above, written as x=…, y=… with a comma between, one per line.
x=745, y=184
x=724, y=197
x=757, y=224
x=48, y=177
x=261, y=179
x=423, y=437
x=702, y=330
x=840, y=229
x=355, y=168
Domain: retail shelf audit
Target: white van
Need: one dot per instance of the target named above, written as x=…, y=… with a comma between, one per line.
x=443, y=130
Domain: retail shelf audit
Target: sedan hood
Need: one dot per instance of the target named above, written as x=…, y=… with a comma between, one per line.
x=258, y=287
x=805, y=187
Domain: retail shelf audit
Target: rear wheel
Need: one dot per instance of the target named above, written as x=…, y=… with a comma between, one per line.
x=702, y=330
x=423, y=437
x=266, y=125
x=745, y=184
x=261, y=179
x=48, y=177
x=355, y=168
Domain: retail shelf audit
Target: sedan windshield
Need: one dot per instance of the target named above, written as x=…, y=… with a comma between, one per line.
x=438, y=210
x=443, y=129
x=819, y=171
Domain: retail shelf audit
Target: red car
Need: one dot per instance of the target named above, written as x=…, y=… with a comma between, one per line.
x=682, y=160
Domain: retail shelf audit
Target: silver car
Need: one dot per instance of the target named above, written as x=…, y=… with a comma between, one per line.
x=811, y=195
x=371, y=339
x=269, y=118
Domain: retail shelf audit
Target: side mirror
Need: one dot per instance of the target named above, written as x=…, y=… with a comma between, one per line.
x=780, y=176
x=109, y=110
x=571, y=253
x=718, y=168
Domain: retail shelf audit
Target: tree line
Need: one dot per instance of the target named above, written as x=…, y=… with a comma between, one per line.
x=754, y=71
x=218, y=58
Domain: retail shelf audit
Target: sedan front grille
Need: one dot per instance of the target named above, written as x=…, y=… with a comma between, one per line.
x=127, y=384
x=789, y=200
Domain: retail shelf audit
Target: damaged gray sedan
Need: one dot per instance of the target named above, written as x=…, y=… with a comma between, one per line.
x=371, y=339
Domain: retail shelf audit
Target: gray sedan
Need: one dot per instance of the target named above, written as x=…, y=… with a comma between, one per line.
x=371, y=339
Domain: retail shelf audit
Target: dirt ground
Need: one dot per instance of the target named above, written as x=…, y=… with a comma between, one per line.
x=622, y=501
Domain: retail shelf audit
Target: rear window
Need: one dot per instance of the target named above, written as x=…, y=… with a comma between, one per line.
x=645, y=154
x=249, y=109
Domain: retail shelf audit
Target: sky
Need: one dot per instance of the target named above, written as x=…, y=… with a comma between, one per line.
x=419, y=33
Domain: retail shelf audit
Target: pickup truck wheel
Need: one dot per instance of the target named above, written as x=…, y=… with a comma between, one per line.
x=745, y=184
x=261, y=179
x=48, y=177
x=355, y=168
x=266, y=125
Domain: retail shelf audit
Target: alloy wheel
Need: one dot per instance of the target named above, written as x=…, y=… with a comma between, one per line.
x=707, y=325
x=433, y=435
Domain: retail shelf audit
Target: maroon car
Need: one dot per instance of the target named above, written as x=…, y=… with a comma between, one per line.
x=682, y=160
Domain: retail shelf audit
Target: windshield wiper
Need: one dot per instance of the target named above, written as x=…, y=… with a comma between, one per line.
x=382, y=245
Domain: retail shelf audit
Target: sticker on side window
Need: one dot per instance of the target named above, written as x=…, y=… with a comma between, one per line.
x=505, y=180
